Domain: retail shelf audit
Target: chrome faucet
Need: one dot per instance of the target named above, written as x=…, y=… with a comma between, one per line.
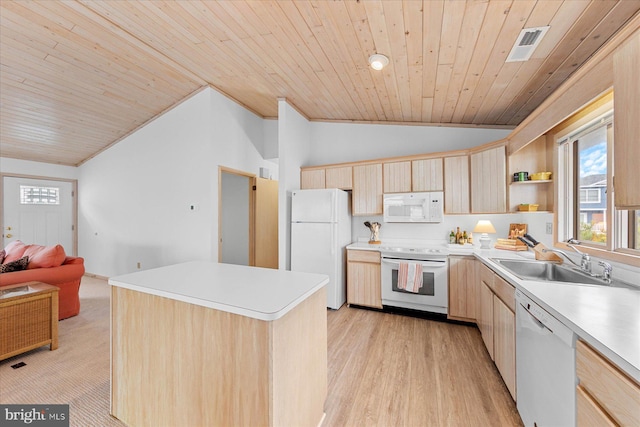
x=606, y=271
x=585, y=261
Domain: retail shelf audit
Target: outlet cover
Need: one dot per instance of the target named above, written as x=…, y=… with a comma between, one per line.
x=549, y=228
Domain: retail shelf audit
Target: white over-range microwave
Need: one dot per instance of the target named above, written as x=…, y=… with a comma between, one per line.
x=414, y=207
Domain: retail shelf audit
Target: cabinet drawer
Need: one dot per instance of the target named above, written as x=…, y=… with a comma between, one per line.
x=363, y=256
x=589, y=413
x=505, y=291
x=609, y=387
x=486, y=276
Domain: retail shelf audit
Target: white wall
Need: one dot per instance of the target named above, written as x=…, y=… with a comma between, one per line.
x=346, y=142
x=136, y=195
x=293, y=151
x=536, y=227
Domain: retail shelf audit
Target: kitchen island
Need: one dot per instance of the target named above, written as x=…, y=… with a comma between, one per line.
x=202, y=343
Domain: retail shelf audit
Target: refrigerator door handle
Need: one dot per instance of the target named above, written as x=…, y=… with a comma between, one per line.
x=333, y=240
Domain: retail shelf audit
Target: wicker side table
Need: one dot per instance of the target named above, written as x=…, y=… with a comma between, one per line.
x=28, y=318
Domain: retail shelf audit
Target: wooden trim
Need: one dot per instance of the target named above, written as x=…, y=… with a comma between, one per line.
x=74, y=209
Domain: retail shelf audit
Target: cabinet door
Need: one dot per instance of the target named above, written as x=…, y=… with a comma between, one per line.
x=363, y=279
x=488, y=181
x=339, y=177
x=504, y=343
x=397, y=177
x=367, y=189
x=311, y=179
x=626, y=149
x=485, y=316
x=456, y=184
x=427, y=175
x=462, y=288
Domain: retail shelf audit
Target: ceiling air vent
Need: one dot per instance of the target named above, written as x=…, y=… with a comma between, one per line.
x=526, y=43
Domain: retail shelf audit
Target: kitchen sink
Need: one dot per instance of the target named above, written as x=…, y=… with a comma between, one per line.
x=553, y=272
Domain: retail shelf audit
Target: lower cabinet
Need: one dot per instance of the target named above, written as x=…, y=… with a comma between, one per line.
x=363, y=278
x=497, y=323
x=463, y=284
x=605, y=396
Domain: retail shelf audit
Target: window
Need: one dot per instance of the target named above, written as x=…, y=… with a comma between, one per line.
x=585, y=191
x=31, y=195
x=589, y=195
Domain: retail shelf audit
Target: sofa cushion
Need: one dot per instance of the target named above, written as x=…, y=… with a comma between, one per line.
x=44, y=256
x=17, y=265
x=3, y=254
x=14, y=251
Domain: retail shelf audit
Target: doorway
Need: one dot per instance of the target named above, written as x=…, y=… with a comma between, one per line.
x=247, y=219
x=39, y=210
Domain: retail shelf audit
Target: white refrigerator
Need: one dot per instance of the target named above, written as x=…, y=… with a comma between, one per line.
x=320, y=233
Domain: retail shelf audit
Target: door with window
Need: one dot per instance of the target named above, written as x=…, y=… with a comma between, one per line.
x=38, y=211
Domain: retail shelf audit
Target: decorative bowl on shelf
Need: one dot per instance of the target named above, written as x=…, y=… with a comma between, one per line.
x=528, y=207
x=540, y=176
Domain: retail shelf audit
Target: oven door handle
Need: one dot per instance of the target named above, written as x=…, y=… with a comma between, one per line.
x=429, y=264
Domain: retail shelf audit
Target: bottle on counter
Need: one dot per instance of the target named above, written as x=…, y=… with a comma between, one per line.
x=470, y=239
x=458, y=235
x=452, y=237
x=464, y=237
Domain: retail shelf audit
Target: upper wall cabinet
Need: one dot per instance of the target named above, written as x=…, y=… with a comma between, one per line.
x=310, y=179
x=339, y=177
x=456, y=184
x=397, y=177
x=427, y=175
x=626, y=122
x=488, y=181
x=367, y=189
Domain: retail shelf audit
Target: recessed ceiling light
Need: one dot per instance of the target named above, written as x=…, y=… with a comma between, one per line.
x=378, y=61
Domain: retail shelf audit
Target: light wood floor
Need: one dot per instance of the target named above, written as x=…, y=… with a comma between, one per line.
x=393, y=370
x=384, y=370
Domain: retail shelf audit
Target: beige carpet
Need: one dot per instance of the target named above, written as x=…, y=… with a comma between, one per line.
x=77, y=373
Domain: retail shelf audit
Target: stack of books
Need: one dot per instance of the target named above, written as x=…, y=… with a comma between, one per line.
x=510, y=245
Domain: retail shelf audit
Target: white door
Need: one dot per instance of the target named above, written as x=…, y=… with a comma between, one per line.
x=38, y=211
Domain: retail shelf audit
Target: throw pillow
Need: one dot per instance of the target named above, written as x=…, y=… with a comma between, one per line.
x=3, y=254
x=14, y=251
x=44, y=256
x=12, y=266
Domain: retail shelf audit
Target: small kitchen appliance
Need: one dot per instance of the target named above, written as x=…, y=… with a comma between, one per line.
x=413, y=207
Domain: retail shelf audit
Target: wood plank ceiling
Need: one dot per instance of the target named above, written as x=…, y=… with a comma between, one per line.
x=77, y=76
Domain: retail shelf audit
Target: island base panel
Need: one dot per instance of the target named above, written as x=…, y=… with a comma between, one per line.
x=175, y=363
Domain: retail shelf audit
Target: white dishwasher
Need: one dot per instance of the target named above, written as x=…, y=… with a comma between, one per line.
x=545, y=367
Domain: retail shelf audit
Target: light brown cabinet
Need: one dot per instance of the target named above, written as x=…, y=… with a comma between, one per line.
x=367, y=189
x=363, y=278
x=456, y=184
x=312, y=179
x=488, y=181
x=427, y=175
x=626, y=123
x=397, y=177
x=496, y=321
x=605, y=395
x=463, y=283
x=504, y=342
x=339, y=177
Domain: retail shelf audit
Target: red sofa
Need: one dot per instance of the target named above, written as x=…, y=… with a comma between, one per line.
x=65, y=276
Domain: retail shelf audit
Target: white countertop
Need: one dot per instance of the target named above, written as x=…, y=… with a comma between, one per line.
x=606, y=318
x=259, y=293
